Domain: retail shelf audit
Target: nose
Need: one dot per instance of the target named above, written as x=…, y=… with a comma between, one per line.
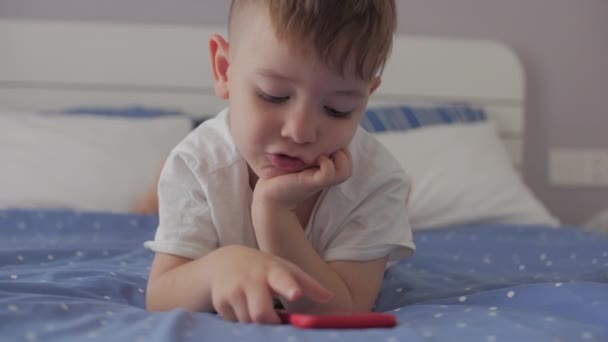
x=300, y=126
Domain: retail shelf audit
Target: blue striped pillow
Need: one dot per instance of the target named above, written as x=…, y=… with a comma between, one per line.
x=406, y=117
x=139, y=112
x=134, y=112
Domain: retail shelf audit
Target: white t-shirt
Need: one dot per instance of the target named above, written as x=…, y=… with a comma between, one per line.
x=205, y=201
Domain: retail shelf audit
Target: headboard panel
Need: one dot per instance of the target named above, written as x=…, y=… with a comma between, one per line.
x=49, y=65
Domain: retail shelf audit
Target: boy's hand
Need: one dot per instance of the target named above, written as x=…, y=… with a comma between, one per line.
x=291, y=189
x=246, y=279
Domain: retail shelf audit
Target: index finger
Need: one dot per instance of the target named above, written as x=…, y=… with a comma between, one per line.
x=343, y=163
x=294, y=283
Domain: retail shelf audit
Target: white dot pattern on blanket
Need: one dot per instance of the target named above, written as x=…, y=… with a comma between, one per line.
x=468, y=296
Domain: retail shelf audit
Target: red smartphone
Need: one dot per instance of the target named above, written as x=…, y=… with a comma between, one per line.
x=338, y=320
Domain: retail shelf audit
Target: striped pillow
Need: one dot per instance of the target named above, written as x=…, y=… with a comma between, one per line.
x=127, y=112
x=406, y=117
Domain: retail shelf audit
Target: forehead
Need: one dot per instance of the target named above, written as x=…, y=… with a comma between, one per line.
x=260, y=52
x=260, y=49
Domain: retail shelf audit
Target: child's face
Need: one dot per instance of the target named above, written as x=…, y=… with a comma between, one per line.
x=288, y=108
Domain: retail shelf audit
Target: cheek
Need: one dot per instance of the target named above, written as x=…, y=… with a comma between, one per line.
x=339, y=137
x=251, y=131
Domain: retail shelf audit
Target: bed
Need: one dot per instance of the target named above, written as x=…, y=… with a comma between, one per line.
x=491, y=263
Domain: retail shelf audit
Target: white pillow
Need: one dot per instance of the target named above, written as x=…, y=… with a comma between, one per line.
x=82, y=162
x=462, y=174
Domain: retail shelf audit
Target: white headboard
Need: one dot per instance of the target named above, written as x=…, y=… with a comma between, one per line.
x=48, y=65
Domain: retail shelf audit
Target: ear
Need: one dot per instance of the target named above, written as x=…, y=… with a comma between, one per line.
x=375, y=84
x=219, y=51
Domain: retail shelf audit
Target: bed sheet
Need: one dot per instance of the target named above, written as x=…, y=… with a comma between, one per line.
x=68, y=276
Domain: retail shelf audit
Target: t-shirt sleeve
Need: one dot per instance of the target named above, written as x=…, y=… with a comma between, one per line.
x=185, y=222
x=378, y=227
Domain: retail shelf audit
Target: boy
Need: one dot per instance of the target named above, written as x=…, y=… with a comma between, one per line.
x=282, y=194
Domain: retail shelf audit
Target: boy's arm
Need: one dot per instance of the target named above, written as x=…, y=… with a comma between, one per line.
x=355, y=284
x=170, y=284
x=236, y=281
x=279, y=232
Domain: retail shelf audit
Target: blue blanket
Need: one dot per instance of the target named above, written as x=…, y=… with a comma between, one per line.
x=82, y=276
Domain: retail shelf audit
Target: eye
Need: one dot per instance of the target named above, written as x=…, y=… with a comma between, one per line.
x=336, y=113
x=272, y=99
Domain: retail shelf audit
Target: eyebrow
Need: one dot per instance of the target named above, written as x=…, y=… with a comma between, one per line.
x=273, y=74
x=349, y=93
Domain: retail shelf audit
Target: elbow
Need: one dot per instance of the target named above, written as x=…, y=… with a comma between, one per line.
x=156, y=300
x=152, y=302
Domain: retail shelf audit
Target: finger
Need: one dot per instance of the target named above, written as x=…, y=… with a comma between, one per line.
x=311, y=288
x=343, y=164
x=261, y=308
x=341, y=158
x=326, y=163
x=293, y=283
x=326, y=171
x=284, y=284
x=225, y=311
x=240, y=307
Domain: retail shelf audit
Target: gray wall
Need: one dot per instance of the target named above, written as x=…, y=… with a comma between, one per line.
x=563, y=44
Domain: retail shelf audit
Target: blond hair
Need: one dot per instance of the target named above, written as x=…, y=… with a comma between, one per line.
x=338, y=30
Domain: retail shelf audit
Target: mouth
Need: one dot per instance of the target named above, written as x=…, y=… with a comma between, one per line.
x=287, y=163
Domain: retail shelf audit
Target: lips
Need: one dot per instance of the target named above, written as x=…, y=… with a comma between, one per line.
x=286, y=163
